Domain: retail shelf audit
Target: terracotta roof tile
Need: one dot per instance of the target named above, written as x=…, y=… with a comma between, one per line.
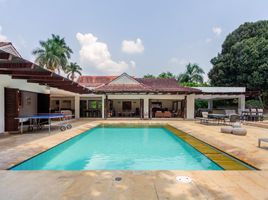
x=94, y=81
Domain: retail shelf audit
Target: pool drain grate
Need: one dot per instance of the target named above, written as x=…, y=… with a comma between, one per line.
x=183, y=179
x=118, y=179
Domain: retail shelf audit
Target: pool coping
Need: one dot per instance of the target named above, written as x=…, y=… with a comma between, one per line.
x=227, y=161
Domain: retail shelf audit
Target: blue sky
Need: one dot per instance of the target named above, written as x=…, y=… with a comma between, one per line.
x=139, y=37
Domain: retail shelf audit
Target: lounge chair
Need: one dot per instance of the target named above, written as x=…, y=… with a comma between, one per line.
x=262, y=140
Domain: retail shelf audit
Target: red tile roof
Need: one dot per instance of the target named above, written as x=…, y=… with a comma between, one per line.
x=94, y=81
x=162, y=85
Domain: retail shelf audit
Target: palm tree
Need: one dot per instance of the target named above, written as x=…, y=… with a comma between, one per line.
x=53, y=53
x=72, y=69
x=193, y=73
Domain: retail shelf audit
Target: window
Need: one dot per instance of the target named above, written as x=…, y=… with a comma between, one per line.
x=127, y=106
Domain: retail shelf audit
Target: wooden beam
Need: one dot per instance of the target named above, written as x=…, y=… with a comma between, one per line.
x=16, y=65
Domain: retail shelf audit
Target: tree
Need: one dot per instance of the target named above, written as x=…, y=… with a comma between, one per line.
x=166, y=75
x=72, y=69
x=193, y=73
x=53, y=53
x=243, y=60
x=148, y=76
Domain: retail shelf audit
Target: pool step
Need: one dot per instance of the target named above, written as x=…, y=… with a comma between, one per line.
x=224, y=161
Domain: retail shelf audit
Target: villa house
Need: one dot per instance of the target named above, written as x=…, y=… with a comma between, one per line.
x=26, y=89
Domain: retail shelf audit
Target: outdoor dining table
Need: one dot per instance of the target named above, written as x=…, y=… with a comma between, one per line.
x=218, y=117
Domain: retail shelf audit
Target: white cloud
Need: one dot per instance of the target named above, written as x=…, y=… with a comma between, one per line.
x=132, y=47
x=96, y=54
x=3, y=38
x=217, y=30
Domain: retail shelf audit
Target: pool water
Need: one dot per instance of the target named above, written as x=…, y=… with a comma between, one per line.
x=117, y=148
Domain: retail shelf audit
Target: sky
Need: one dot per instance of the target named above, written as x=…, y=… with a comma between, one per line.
x=138, y=37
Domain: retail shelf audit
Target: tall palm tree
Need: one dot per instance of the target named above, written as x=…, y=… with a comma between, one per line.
x=53, y=53
x=193, y=73
x=72, y=69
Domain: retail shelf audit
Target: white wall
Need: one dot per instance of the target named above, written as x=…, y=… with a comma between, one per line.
x=29, y=103
x=6, y=81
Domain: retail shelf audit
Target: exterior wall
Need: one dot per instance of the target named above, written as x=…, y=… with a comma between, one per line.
x=28, y=107
x=7, y=81
x=118, y=104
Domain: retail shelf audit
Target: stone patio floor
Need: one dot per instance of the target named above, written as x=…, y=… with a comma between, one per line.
x=135, y=184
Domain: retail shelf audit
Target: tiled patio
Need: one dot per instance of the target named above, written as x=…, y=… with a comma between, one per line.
x=135, y=184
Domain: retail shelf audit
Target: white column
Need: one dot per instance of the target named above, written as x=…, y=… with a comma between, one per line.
x=102, y=105
x=77, y=106
x=210, y=104
x=146, y=107
x=241, y=103
x=190, y=106
x=2, y=109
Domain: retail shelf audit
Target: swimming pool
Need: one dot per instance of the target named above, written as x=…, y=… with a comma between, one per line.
x=122, y=148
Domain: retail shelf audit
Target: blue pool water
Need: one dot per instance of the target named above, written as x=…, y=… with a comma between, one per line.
x=109, y=148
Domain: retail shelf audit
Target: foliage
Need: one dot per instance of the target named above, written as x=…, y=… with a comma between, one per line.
x=148, y=76
x=166, y=75
x=253, y=103
x=193, y=73
x=199, y=103
x=53, y=53
x=72, y=69
x=243, y=60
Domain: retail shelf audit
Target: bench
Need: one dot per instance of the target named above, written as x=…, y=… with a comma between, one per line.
x=262, y=140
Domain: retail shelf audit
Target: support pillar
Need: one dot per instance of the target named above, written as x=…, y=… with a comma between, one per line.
x=146, y=108
x=241, y=104
x=77, y=106
x=190, y=106
x=102, y=107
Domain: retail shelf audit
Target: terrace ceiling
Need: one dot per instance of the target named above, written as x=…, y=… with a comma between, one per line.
x=19, y=68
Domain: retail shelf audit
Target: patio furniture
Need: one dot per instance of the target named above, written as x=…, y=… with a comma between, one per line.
x=239, y=131
x=233, y=118
x=167, y=114
x=227, y=129
x=260, y=114
x=262, y=140
x=230, y=112
x=204, y=118
x=253, y=114
x=158, y=114
x=217, y=117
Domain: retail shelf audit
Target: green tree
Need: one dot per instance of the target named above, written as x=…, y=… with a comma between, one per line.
x=148, y=76
x=53, y=53
x=166, y=75
x=243, y=60
x=193, y=73
x=72, y=69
